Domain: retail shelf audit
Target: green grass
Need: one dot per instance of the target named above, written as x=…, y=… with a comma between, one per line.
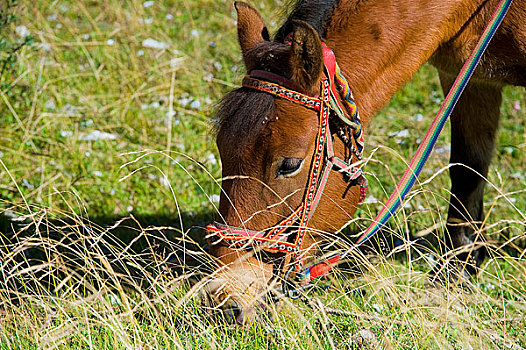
x=89, y=71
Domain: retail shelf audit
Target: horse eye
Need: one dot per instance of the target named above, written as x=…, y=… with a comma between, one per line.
x=289, y=167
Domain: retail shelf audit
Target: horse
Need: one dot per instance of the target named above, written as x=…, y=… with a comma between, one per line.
x=266, y=143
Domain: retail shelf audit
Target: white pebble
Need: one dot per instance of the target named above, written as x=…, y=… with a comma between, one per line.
x=154, y=44
x=96, y=135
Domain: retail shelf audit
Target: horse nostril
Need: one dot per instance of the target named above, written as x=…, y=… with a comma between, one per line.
x=232, y=311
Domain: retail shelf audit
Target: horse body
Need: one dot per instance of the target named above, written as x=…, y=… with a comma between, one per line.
x=379, y=45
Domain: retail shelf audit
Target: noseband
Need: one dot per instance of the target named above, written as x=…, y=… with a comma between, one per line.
x=288, y=234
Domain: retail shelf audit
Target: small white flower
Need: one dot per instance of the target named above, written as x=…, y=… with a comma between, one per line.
x=140, y=53
x=66, y=133
x=208, y=77
x=110, y=42
x=183, y=101
x=27, y=184
x=97, y=173
x=22, y=31
x=129, y=208
x=370, y=199
x=377, y=307
x=217, y=65
x=86, y=36
x=195, y=104
x=50, y=105
x=366, y=334
x=214, y=198
x=417, y=117
x=169, y=16
x=148, y=4
x=212, y=159
x=148, y=20
x=401, y=133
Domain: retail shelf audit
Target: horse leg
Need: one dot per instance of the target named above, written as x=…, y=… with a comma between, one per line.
x=474, y=125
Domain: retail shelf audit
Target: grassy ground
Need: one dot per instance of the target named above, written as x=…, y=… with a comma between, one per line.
x=109, y=117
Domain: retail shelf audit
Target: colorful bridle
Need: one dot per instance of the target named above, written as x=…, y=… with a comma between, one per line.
x=288, y=234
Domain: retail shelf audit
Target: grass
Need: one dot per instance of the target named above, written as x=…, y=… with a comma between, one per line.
x=80, y=277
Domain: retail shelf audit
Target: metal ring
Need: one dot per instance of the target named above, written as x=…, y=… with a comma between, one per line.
x=296, y=291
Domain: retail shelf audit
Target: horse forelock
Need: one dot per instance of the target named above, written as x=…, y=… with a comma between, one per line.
x=240, y=114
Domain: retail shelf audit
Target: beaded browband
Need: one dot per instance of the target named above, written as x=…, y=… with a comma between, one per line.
x=288, y=234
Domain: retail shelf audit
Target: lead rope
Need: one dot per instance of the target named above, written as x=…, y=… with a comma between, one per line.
x=421, y=155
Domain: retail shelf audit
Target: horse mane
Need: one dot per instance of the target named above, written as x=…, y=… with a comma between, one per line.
x=242, y=110
x=317, y=13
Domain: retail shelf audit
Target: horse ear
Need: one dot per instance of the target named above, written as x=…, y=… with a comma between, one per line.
x=306, y=57
x=251, y=29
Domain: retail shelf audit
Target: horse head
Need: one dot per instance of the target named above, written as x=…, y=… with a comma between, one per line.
x=267, y=146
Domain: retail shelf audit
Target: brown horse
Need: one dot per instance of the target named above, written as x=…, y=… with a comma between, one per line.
x=267, y=143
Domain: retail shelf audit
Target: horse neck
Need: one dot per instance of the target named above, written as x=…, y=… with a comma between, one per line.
x=381, y=44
